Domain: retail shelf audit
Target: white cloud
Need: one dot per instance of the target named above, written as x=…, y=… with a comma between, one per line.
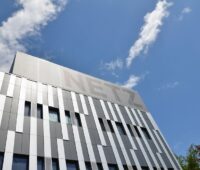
x=170, y=85
x=113, y=65
x=131, y=82
x=149, y=31
x=24, y=23
x=185, y=11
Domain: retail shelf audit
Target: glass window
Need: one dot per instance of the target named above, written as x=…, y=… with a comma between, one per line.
x=137, y=131
x=88, y=166
x=125, y=167
x=130, y=130
x=102, y=125
x=99, y=165
x=39, y=111
x=55, y=164
x=146, y=133
x=145, y=168
x=27, y=109
x=72, y=165
x=77, y=120
x=40, y=163
x=20, y=162
x=112, y=167
x=54, y=114
x=110, y=126
x=1, y=160
x=68, y=117
x=120, y=128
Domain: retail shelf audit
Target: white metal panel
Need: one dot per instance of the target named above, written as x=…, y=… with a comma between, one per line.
x=33, y=145
x=39, y=93
x=11, y=85
x=2, y=104
x=8, y=160
x=125, y=127
x=50, y=96
x=61, y=154
x=102, y=157
x=102, y=139
x=152, y=121
x=22, y=95
x=1, y=78
x=130, y=116
x=135, y=159
x=112, y=112
x=136, y=117
x=85, y=110
x=115, y=151
x=32, y=162
x=161, y=161
x=104, y=110
x=20, y=116
x=74, y=101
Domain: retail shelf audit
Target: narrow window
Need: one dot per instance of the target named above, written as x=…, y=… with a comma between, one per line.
x=55, y=164
x=88, y=166
x=102, y=125
x=112, y=167
x=110, y=126
x=130, y=130
x=20, y=162
x=146, y=133
x=1, y=160
x=77, y=120
x=68, y=117
x=134, y=168
x=40, y=163
x=39, y=111
x=54, y=114
x=120, y=128
x=27, y=108
x=137, y=131
x=99, y=166
x=125, y=167
x=145, y=168
x=72, y=165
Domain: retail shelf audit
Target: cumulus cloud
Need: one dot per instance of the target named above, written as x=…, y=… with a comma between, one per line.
x=131, y=82
x=184, y=11
x=26, y=22
x=149, y=31
x=170, y=85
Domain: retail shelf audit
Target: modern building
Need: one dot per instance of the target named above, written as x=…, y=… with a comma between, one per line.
x=55, y=118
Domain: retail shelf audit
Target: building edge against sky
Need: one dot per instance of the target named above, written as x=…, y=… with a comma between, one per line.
x=52, y=117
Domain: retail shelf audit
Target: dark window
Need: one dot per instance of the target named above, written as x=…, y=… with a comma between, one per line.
x=77, y=120
x=170, y=168
x=68, y=117
x=39, y=111
x=88, y=166
x=162, y=168
x=154, y=168
x=130, y=130
x=99, y=166
x=102, y=124
x=112, y=167
x=146, y=133
x=125, y=167
x=120, y=128
x=134, y=168
x=54, y=114
x=27, y=109
x=137, y=131
x=40, y=163
x=1, y=160
x=72, y=165
x=20, y=162
x=110, y=126
x=55, y=164
x=145, y=168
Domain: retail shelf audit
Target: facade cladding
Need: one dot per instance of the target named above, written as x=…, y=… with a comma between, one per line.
x=54, y=118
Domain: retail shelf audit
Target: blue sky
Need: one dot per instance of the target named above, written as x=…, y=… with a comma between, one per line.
x=95, y=37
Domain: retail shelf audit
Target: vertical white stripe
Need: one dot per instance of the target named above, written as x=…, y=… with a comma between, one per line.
x=102, y=157
x=115, y=151
x=50, y=96
x=102, y=139
x=33, y=144
x=137, y=164
x=8, y=156
x=161, y=161
x=85, y=110
x=74, y=101
x=112, y=112
x=104, y=109
x=79, y=150
x=2, y=104
x=121, y=144
x=39, y=93
x=1, y=78
x=149, y=131
x=20, y=113
x=11, y=85
x=61, y=154
x=136, y=117
x=62, y=115
x=130, y=116
x=149, y=148
x=152, y=121
x=125, y=127
x=87, y=139
x=46, y=128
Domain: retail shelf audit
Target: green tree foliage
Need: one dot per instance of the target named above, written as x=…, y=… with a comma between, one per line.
x=191, y=161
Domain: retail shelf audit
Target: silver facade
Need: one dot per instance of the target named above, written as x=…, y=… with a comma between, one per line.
x=50, y=121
